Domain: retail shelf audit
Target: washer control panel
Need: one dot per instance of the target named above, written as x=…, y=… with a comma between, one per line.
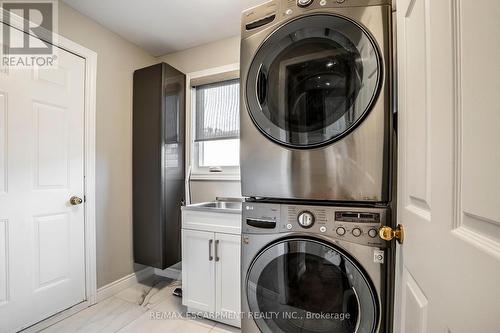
x=297, y=7
x=357, y=225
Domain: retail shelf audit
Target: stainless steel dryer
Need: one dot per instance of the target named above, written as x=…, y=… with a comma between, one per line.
x=312, y=269
x=316, y=116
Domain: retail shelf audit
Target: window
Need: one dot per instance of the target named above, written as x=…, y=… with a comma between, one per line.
x=217, y=127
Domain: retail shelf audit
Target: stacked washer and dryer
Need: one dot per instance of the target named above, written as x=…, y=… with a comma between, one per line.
x=316, y=156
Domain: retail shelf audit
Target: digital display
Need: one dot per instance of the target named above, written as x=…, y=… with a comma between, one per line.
x=363, y=217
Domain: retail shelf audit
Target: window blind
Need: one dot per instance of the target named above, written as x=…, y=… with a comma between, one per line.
x=218, y=111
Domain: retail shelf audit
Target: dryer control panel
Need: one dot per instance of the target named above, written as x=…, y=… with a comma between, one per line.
x=352, y=224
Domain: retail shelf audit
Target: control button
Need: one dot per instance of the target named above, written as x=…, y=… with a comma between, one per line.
x=306, y=219
x=340, y=231
x=289, y=12
x=289, y=226
x=372, y=233
x=322, y=3
x=322, y=229
x=356, y=232
x=304, y=3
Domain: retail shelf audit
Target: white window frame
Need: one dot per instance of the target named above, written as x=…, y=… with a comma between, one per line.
x=192, y=169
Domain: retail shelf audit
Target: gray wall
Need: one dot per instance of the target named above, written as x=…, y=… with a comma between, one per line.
x=208, y=190
x=117, y=59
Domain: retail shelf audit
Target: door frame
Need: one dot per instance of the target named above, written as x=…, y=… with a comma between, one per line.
x=90, y=87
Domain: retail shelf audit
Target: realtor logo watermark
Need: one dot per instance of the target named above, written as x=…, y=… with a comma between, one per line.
x=28, y=33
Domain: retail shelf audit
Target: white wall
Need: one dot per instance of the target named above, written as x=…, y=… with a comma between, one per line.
x=117, y=59
x=216, y=54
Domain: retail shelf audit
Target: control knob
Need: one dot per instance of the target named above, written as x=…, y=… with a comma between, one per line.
x=306, y=219
x=340, y=231
x=356, y=232
x=304, y=3
x=372, y=233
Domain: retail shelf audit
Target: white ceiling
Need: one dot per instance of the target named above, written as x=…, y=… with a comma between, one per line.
x=164, y=26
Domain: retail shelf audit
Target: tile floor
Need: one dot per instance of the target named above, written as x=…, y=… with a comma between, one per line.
x=141, y=308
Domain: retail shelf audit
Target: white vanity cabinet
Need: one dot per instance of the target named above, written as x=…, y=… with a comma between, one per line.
x=211, y=243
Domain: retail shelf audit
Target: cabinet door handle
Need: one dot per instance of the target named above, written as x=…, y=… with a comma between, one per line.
x=210, y=257
x=217, y=250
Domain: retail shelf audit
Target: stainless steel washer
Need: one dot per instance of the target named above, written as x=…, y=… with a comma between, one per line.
x=316, y=120
x=312, y=269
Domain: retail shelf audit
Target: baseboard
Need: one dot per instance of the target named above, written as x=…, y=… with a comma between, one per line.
x=125, y=282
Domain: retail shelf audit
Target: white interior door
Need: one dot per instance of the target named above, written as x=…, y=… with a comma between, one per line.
x=42, y=267
x=449, y=163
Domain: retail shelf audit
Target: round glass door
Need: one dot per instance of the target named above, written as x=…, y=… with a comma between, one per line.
x=313, y=80
x=307, y=286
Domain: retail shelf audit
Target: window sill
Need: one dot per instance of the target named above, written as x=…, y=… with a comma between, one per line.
x=216, y=176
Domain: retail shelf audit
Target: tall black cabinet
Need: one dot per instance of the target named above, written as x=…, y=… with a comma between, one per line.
x=158, y=164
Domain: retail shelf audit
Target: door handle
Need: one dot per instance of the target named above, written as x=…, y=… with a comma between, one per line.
x=388, y=234
x=210, y=257
x=217, y=250
x=75, y=201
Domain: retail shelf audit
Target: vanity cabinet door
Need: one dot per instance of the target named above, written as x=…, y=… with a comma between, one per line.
x=227, y=281
x=198, y=270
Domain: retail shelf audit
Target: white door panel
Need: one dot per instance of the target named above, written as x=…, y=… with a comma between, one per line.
x=42, y=264
x=449, y=189
x=3, y=141
x=198, y=270
x=415, y=315
x=227, y=282
x=4, y=255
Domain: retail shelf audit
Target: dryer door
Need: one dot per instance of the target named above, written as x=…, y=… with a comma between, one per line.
x=313, y=80
x=308, y=286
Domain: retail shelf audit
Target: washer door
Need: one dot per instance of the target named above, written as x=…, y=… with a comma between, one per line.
x=303, y=285
x=313, y=80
